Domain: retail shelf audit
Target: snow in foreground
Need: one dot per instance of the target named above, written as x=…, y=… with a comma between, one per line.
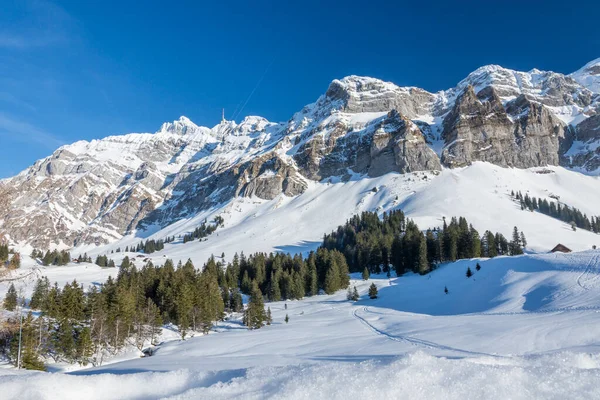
x=523, y=327
x=417, y=376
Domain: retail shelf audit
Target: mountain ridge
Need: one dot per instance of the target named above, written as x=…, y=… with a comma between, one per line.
x=97, y=191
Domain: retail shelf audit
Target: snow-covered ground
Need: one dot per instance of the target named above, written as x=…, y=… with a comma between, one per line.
x=522, y=328
x=480, y=192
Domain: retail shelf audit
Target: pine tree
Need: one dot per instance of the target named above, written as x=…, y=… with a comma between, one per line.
x=478, y=267
x=423, y=263
x=373, y=291
x=10, y=301
x=365, y=274
x=39, y=298
x=255, y=315
x=287, y=318
x=63, y=342
x=355, y=295
x=523, y=240
x=446, y=289
x=349, y=295
x=469, y=272
x=269, y=316
x=84, y=347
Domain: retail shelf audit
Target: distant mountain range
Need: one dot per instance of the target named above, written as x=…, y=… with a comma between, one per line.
x=96, y=192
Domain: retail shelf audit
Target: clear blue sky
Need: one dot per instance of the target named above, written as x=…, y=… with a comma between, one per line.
x=73, y=69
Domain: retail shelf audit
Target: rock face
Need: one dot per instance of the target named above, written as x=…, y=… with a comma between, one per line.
x=95, y=192
x=479, y=128
x=584, y=151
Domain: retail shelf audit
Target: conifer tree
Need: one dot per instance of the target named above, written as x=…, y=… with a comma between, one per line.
x=469, y=272
x=446, y=289
x=10, y=301
x=255, y=315
x=355, y=295
x=84, y=347
x=478, y=267
x=365, y=274
x=287, y=318
x=349, y=295
x=373, y=291
x=269, y=316
x=423, y=264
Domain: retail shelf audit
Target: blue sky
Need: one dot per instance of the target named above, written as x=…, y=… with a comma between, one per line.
x=72, y=70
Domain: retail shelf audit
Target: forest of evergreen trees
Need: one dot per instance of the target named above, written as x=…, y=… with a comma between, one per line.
x=203, y=230
x=563, y=212
x=397, y=242
x=84, y=326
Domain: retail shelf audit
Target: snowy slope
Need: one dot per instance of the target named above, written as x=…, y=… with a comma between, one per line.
x=480, y=192
x=523, y=327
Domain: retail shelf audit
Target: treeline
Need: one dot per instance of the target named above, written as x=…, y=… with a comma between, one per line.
x=200, y=232
x=283, y=276
x=396, y=242
x=104, y=261
x=570, y=215
x=84, y=326
x=53, y=257
x=8, y=257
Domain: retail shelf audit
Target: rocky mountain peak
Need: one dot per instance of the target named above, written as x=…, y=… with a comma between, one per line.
x=589, y=75
x=181, y=126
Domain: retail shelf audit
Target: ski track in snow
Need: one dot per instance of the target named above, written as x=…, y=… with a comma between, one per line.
x=411, y=340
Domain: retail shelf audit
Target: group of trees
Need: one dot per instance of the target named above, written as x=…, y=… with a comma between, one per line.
x=563, y=212
x=283, y=276
x=397, y=242
x=150, y=246
x=53, y=257
x=8, y=257
x=104, y=261
x=200, y=232
x=83, y=326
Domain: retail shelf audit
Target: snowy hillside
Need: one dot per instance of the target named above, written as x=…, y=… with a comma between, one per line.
x=480, y=192
x=522, y=327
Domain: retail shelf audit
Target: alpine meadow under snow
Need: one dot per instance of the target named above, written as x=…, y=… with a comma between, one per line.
x=518, y=326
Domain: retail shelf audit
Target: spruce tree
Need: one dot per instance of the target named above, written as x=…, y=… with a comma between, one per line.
x=10, y=301
x=269, y=316
x=355, y=295
x=446, y=289
x=469, y=272
x=287, y=318
x=349, y=294
x=423, y=263
x=365, y=274
x=373, y=291
x=84, y=346
x=478, y=267
x=255, y=315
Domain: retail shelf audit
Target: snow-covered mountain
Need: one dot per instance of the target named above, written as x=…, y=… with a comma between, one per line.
x=361, y=128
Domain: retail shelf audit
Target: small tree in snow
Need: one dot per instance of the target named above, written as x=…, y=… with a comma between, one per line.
x=287, y=318
x=365, y=274
x=373, y=291
x=469, y=272
x=478, y=267
x=446, y=289
x=355, y=295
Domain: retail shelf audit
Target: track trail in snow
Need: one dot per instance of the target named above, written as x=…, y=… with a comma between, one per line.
x=411, y=340
x=588, y=271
